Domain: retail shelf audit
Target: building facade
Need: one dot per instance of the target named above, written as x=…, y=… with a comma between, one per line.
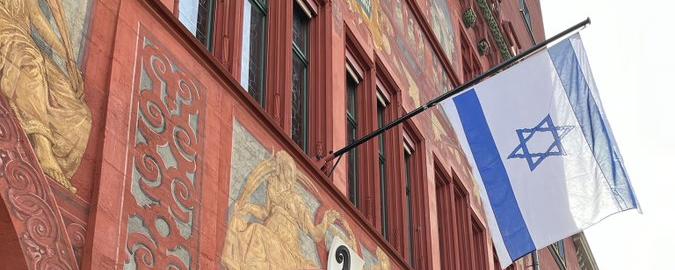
x=197, y=134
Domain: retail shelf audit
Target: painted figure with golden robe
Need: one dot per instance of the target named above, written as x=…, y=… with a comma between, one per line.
x=273, y=240
x=46, y=97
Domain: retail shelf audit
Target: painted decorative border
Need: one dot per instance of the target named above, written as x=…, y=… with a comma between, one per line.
x=163, y=200
x=29, y=200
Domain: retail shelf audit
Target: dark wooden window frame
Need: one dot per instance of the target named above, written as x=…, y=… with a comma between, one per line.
x=527, y=18
x=512, y=37
x=265, y=8
x=454, y=219
x=352, y=89
x=480, y=259
x=376, y=83
x=383, y=106
x=390, y=220
x=558, y=253
x=471, y=66
x=212, y=22
x=301, y=52
x=418, y=250
x=358, y=62
x=227, y=40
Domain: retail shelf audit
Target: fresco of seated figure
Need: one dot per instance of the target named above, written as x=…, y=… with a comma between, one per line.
x=47, y=97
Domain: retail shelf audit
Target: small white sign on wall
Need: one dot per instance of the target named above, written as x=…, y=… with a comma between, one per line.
x=342, y=257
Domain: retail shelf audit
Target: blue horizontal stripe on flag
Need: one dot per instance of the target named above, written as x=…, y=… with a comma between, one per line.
x=593, y=125
x=515, y=234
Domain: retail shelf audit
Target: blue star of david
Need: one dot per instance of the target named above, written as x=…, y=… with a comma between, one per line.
x=556, y=148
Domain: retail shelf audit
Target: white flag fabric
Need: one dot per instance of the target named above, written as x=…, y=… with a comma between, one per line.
x=541, y=150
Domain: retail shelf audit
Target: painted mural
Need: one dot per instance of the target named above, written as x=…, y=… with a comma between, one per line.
x=440, y=17
x=42, y=82
x=398, y=37
x=31, y=211
x=275, y=217
x=166, y=159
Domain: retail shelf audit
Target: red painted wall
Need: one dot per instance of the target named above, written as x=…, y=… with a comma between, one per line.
x=158, y=176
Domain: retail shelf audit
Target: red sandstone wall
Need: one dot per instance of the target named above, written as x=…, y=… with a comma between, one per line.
x=117, y=238
x=136, y=203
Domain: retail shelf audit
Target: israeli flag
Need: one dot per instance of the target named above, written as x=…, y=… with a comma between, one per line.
x=541, y=150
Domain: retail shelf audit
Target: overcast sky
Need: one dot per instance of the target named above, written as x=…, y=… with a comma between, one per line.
x=630, y=49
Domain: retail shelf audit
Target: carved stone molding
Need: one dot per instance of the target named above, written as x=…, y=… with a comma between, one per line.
x=29, y=200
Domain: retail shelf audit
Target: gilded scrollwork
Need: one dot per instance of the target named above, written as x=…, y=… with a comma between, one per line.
x=43, y=86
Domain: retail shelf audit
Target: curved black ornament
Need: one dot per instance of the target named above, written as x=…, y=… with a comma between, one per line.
x=342, y=256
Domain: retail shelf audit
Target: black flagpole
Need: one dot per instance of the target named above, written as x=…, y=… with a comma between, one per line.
x=454, y=92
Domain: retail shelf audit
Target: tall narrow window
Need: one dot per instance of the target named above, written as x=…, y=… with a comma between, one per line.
x=352, y=124
x=299, y=130
x=463, y=228
x=454, y=225
x=384, y=197
x=416, y=199
x=526, y=14
x=445, y=213
x=560, y=249
x=407, y=159
x=197, y=16
x=254, y=49
x=479, y=251
x=527, y=18
x=470, y=64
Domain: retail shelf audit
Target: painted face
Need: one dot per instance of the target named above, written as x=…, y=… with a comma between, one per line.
x=286, y=169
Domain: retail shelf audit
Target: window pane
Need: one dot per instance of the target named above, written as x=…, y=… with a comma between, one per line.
x=445, y=224
x=560, y=248
x=257, y=54
x=352, y=167
x=351, y=97
x=380, y=123
x=408, y=196
x=196, y=15
x=300, y=29
x=300, y=77
x=526, y=15
x=299, y=102
x=384, y=200
x=479, y=255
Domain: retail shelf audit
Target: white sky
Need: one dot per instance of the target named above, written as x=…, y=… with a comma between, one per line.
x=629, y=44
